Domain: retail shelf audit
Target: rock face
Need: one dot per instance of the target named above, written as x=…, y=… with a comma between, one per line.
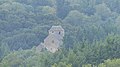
x=53, y=41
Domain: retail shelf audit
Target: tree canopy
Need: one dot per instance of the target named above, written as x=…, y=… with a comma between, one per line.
x=92, y=33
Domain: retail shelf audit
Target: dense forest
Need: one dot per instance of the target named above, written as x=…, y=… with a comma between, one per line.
x=92, y=33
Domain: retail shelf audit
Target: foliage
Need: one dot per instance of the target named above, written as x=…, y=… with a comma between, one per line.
x=92, y=32
x=107, y=63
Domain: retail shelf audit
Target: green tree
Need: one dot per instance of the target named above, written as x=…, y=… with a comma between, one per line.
x=105, y=13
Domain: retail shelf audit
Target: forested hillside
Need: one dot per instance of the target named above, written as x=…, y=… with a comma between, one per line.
x=92, y=33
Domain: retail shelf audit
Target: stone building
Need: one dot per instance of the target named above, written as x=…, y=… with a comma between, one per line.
x=54, y=40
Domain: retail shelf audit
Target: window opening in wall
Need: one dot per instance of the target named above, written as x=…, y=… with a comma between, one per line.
x=59, y=32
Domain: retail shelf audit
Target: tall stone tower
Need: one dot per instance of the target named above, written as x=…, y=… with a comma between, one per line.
x=53, y=41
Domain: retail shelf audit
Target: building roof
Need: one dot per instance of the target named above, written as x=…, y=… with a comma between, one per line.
x=56, y=28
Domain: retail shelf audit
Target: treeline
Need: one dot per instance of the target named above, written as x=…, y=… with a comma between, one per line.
x=92, y=32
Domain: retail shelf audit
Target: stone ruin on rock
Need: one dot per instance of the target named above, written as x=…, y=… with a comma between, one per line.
x=53, y=41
